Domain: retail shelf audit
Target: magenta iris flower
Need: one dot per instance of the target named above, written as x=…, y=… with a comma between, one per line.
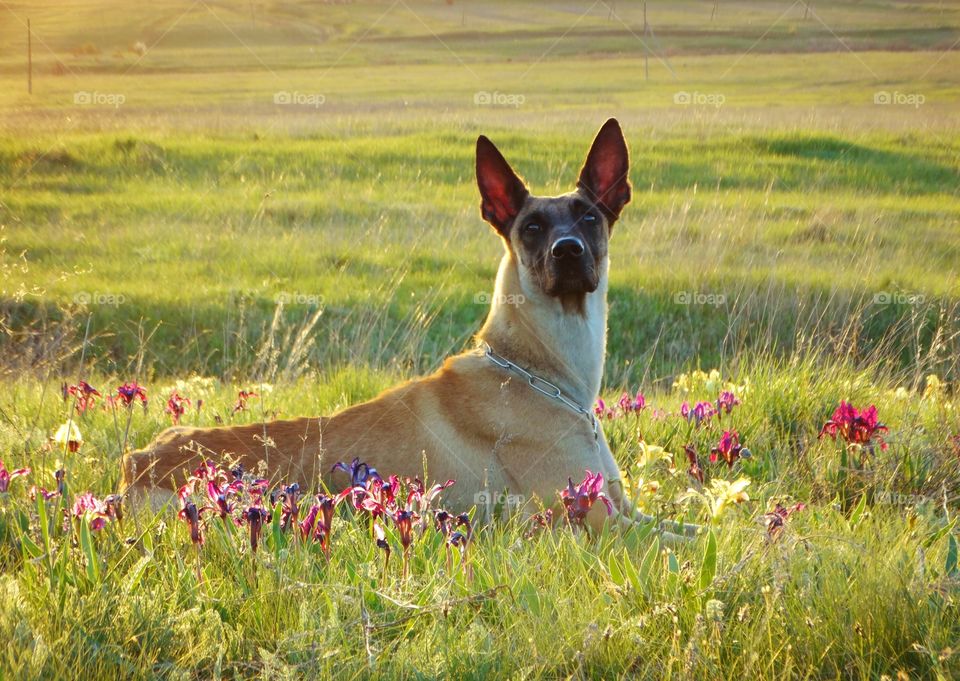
x=726, y=402
x=85, y=394
x=729, y=449
x=776, y=520
x=176, y=407
x=242, y=397
x=700, y=412
x=6, y=476
x=855, y=426
x=579, y=499
x=633, y=404
x=694, y=470
x=130, y=392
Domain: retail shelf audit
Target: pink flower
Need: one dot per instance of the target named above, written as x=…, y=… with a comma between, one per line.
x=634, y=404
x=729, y=449
x=6, y=476
x=726, y=402
x=694, y=471
x=700, y=412
x=176, y=407
x=88, y=506
x=242, y=398
x=130, y=392
x=85, y=393
x=602, y=411
x=854, y=426
x=776, y=520
x=579, y=499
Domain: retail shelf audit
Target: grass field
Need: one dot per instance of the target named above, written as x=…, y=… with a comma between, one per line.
x=279, y=196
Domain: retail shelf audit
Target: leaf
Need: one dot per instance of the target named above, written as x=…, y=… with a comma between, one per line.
x=708, y=569
x=90, y=551
x=935, y=536
x=648, y=561
x=136, y=574
x=858, y=512
x=630, y=572
x=950, y=567
x=616, y=574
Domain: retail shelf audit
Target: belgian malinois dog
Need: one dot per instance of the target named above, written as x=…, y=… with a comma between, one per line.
x=513, y=415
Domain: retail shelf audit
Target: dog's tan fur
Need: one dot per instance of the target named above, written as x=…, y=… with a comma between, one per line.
x=471, y=421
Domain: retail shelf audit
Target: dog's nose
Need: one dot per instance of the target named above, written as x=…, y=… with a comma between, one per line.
x=567, y=247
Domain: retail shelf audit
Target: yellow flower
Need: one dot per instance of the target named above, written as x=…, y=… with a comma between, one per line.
x=645, y=490
x=652, y=453
x=934, y=387
x=68, y=435
x=900, y=393
x=712, y=382
x=726, y=493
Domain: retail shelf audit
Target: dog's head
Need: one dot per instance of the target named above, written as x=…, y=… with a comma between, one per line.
x=561, y=241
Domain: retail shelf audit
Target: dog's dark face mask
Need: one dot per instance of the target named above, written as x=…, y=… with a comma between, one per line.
x=562, y=240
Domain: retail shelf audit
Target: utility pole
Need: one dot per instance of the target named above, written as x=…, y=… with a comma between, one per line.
x=29, y=60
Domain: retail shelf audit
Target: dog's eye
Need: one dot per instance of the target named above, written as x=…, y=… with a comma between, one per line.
x=532, y=229
x=589, y=218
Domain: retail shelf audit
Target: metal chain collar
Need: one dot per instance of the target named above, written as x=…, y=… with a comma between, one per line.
x=542, y=386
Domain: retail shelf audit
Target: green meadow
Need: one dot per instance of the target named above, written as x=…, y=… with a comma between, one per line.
x=211, y=197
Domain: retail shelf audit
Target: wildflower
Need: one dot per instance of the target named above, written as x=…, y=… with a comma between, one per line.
x=539, y=522
x=113, y=505
x=358, y=471
x=856, y=427
x=403, y=520
x=242, y=397
x=776, y=519
x=6, y=476
x=726, y=402
x=318, y=523
x=420, y=498
x=579, y=499
x=130, y=392
x=88, y=506
x=380, y=536
x=602, y=411
x=190, y=514
x=634, y=404
x=933, y=388
x=86, y=395
x=955, y=441
x=700, y=412
x=291, y=508
x=712, y=382
x=729, y=449
x=645, y=491
x=255, y=516
x=694, y=471
x=720, y=495
x=652, y=453
x=68, y=435
x=176, y=407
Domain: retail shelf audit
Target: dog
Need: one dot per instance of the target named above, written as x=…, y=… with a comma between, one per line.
x=514, y=415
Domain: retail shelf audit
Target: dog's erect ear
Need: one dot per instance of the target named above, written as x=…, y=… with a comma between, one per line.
x=502, y=193
x=604, y=174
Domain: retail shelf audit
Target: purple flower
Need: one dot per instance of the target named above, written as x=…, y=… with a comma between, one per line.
x=854, y=426
x=579, y=499
x=190, y=514
x=634, y=404
x=6, y=476
x=358, y=471
x=131, y=391
x=88, y=506
x=694, y=470
x=776, y=520
x=255, y=516
x=729, y=449
x=602, y=411
x=726, y=402
x=86, y=395
x=700, y=412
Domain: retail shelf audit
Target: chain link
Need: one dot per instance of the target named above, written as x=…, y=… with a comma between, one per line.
x=542, y=386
